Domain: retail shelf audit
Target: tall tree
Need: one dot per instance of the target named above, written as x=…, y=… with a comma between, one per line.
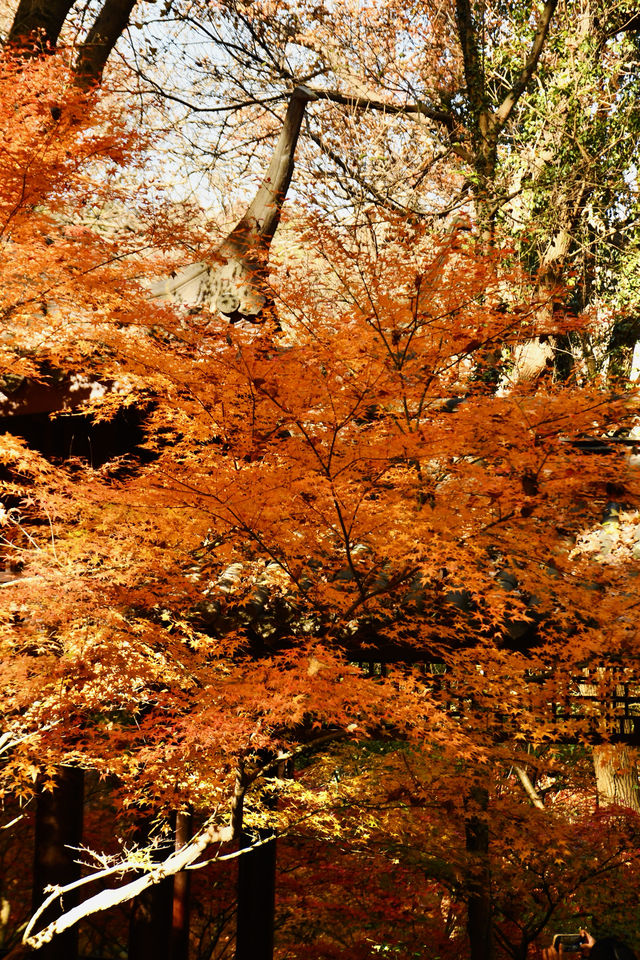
x=337, y=505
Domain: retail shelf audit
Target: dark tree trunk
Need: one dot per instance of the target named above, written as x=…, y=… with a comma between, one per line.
x=58, y=831
x=256, y=897
x=102, y=38
x=479, y=913
x=151, y=914
x=37, y=24
x=150, y=923
x=19, y=952
x=181, y=891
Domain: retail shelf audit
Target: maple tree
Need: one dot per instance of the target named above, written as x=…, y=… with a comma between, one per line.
x=338, y=486
x=390, y=534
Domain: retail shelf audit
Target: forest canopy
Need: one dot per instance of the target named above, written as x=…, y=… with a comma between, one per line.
x=319, y=477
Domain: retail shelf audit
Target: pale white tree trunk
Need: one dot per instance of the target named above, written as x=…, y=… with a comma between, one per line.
x=234, y=282
x=616, y=770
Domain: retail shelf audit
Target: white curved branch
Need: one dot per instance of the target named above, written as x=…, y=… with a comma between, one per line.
x=106, y=899
x=212, y=832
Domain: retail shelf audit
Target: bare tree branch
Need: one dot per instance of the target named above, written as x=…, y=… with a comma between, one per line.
x=386, y=202
x=503, y=112
x=628, y=25
x=365, y=103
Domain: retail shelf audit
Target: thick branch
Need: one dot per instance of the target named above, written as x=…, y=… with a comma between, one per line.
x=263, y=213
x=364, y=103
x=233, y=281
x=503, y=112
x=110, y=898
x=470, y=56
x=102, y=38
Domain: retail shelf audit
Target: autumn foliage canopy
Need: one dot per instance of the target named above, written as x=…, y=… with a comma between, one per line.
x=353, y=532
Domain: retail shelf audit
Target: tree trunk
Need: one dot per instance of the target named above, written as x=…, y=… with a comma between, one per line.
x=256, y=897
x=58, y=833
x=151, y=915
x=616, y=770
x=235, y=282
x=150, y=923
x=181, y=891
x=92, y=57
x=37, y=25
x=479, y=912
